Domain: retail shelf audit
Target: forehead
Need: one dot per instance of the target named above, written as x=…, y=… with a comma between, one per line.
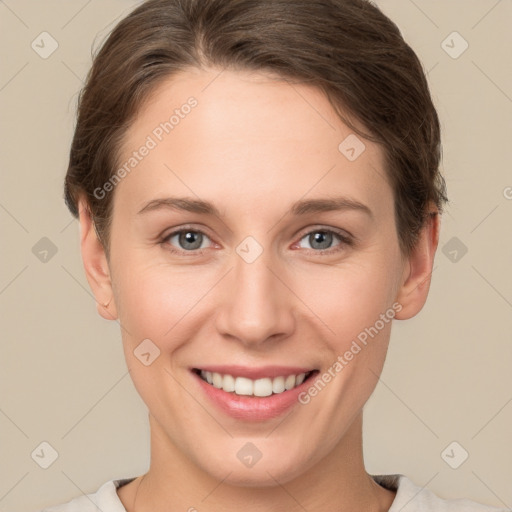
x=213, y=131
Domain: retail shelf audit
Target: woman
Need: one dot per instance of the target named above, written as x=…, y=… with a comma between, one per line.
x=258, y=189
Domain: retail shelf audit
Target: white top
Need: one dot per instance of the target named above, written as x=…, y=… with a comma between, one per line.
x=409, y=498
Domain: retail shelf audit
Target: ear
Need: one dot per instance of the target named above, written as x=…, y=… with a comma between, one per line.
x=96, y=264
x=413, y=292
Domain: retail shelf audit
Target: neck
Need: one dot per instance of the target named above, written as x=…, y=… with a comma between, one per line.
x=337, y=482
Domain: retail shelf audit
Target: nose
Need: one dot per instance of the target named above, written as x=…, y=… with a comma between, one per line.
x=256, y=304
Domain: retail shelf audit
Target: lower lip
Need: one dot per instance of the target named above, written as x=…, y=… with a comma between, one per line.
x=253, y=408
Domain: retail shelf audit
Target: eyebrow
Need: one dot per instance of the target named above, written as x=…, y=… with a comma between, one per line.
x=301, y=207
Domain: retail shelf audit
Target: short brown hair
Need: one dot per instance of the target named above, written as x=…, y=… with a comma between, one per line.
x=347, y=48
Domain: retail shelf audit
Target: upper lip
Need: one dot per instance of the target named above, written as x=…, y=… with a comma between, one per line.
x=255, y=372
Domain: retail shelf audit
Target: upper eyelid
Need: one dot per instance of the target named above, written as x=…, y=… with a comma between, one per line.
x=337, y=231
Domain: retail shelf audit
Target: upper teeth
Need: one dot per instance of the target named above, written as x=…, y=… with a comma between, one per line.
x=258, y=387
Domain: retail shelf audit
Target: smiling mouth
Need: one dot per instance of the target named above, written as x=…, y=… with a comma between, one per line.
x=253, y=387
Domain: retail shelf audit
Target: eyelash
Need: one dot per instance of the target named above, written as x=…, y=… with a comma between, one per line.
x=345, y=241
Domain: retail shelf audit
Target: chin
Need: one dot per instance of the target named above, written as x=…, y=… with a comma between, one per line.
x=262, y=474
x=260, y=479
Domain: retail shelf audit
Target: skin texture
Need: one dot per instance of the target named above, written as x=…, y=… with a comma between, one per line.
x=253, y=146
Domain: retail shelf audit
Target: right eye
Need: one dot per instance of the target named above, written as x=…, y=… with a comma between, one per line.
x=188, y=240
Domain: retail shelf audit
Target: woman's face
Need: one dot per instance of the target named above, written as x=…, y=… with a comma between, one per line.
x=288, y=258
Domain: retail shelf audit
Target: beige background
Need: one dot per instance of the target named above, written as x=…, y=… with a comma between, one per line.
x=64, y=380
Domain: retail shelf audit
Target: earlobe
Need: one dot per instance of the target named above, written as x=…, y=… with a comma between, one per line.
x=96, y=264
x=417, y=274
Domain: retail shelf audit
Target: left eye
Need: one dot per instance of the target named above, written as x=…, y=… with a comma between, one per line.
x=321, y=239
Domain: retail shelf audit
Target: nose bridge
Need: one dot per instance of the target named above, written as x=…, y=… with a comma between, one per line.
x=256, y=303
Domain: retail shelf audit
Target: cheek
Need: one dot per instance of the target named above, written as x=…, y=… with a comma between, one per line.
x=157, y=301
x=348, y=299
x=357, y=307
